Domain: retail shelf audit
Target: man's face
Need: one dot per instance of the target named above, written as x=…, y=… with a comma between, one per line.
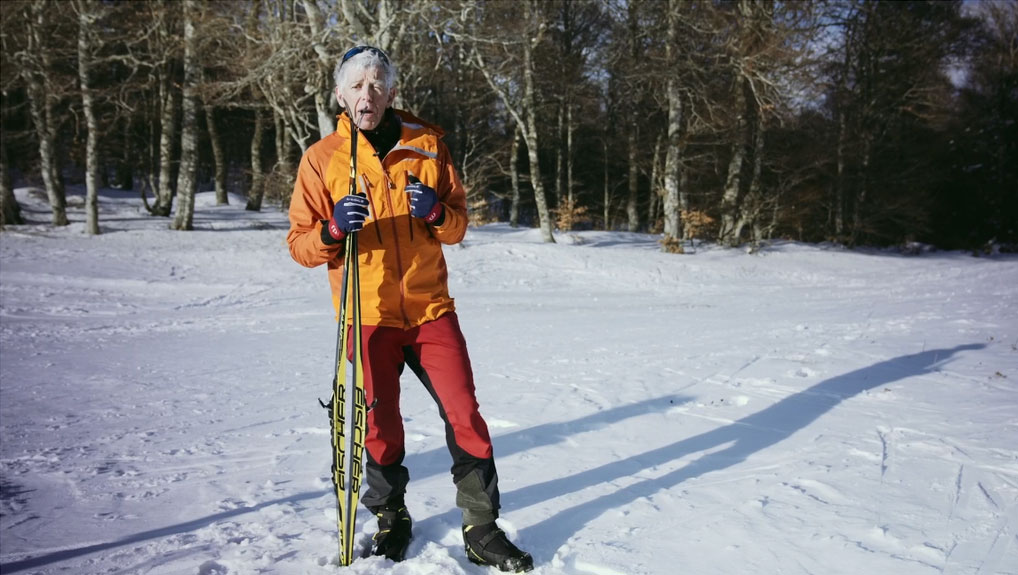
x=364, y=96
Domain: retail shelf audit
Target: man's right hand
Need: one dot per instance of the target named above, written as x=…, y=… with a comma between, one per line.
x=348, y=215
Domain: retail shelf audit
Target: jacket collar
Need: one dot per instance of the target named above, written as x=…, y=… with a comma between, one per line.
x=411, y=125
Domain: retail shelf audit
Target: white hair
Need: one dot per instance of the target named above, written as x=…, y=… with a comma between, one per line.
x=368, y=58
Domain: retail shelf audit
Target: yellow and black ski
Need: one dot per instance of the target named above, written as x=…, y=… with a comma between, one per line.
x=349, y=422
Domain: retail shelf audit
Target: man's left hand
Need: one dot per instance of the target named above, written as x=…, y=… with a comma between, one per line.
x=424, y=202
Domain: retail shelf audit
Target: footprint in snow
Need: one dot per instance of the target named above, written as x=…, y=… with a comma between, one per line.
x=735, y=401
x=212, y=568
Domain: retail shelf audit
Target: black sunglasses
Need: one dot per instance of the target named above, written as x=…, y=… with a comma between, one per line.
x=358, y=49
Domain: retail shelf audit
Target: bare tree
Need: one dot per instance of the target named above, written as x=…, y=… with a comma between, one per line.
x=88, y=16
x=672, y=200
x=257, y=190
x=891, y=97
x=218, y=157
x=187, y=182
x=765, y=45
x=748, y=33
x=730, y=119
x=278, y=67
x=634, y=112
x=514, y=176
x=320, y=80
x=38, y=71
x=984, y=156
x=163, y=49
x=502, y=67
x=577, y=29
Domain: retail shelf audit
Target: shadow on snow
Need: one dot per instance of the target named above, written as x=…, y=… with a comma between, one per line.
x=426, y=464
x=740, y=439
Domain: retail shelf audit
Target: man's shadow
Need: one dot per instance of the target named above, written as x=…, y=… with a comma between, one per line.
x=737, y=440
x=433, y=462
x=746, y=437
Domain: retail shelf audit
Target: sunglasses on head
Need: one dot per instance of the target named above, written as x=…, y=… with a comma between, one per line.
x=358, y=49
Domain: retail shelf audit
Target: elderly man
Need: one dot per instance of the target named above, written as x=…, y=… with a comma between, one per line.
x=411, y=202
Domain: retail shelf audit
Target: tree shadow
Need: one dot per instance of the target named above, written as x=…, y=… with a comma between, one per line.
x=738, y=440
x=437, y=460
x=65, y=554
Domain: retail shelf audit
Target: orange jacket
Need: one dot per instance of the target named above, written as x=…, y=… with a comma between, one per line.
x=402, y=269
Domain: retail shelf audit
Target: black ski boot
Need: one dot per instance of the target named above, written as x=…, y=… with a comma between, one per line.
x=488, y=545
x=393, y=535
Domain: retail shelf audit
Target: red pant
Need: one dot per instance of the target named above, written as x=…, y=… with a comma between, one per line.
x=437, y=353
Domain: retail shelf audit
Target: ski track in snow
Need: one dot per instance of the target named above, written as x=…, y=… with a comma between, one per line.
x=802, y=410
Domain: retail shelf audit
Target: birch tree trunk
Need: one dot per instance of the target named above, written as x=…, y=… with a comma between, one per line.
x=656, y=186
x=632, y=211
x=559, y=154
x=284, y=145
x=514, y=178
x=570, y=160
x=187, y=182
x=124, y=170
x=222, y=197
x=633, y=117
x=167, y=118
x=349, y=10
x=531, y=134
x=839, y=180
x=257, y=191
x=606, y=192
x=750, y=212
x=760, y=53
x=321, y=83
x=574, y=22
x=672, y=209
x=41, y=100
x=687, y=232
x=167, y=131
x=858, y=213
x=149, y=181
x=86, y=22
x=536, y=181
x=733, y=181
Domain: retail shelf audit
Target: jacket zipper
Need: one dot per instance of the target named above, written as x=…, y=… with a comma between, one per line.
x=374, y=213
x=389, y=186
x=409, y=216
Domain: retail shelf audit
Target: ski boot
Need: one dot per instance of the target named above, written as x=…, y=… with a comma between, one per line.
x=488, y=545
x=394, y=534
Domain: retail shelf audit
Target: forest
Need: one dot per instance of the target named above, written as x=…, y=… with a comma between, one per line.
x=863, y=123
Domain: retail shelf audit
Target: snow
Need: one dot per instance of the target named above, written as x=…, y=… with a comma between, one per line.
x=801, y=410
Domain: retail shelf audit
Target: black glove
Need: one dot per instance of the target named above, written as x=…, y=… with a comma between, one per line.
x=348, y=216
x=424, y=202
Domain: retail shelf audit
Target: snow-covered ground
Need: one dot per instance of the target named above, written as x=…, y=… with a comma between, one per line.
x=805, y=409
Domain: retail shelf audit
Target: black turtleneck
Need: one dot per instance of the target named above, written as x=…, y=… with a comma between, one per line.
x=384, y=137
